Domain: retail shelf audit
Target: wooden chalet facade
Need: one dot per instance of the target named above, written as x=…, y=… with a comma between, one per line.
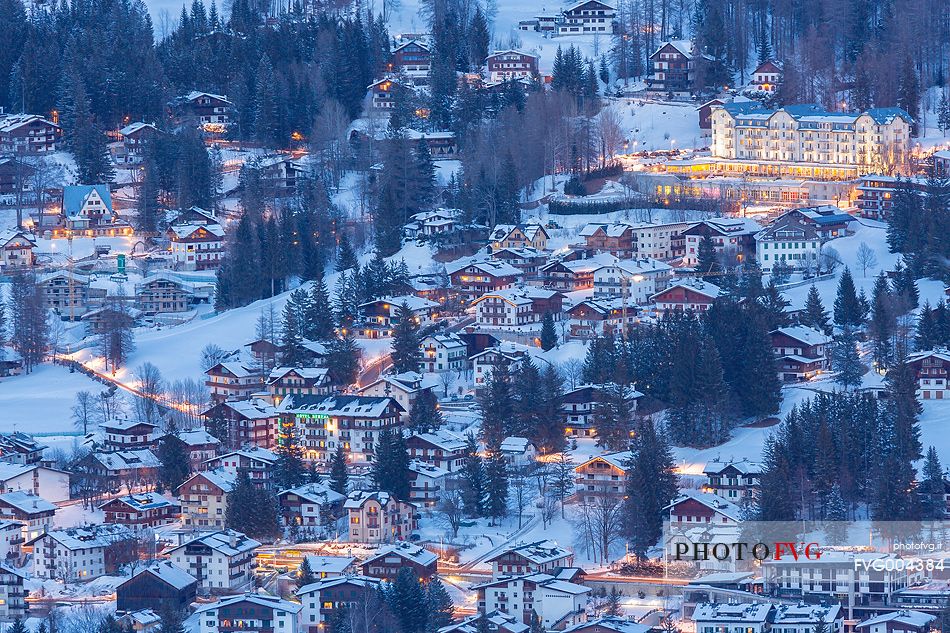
x=519, y=236
x=387, y=562
x=28, y=134
x=16, y=250
x=689, y=294
x=616, y=238
x=161, y=583
x=736, y=481
x=478, y=278
x=767, y=76
x=587, y=16
x=413, y=57
x=253, y=422
x=801, y=352
x=511, y=64
x=672, y=68
x=161, y=293
x=232, y=381
x=141, y=510
x=931, y=368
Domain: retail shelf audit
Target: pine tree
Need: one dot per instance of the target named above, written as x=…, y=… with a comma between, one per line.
x=883, y=321
x=30, y=329
x=932, y=487
x=836, y=513
x=391, y=464
x=292, y=352
x=651, y=486
x=943, y=114
x=289, y=469
x=406, y=598
x=707, y=261
x=496, y=485
x=174, y=459
x=440, y=607
x=497, y=405
x=17, y=627
x=846, y=361
x=473, y=479
x=926, y=337
x=305, y=575
x=343, y=356
x=406, y=353
x=346, y=258
x=339, y=474
x=847, y=309
x=318, y=322
x=548, y=333
x=424, y=413
x=614, y=606
x=613, y=417
x=815, y=316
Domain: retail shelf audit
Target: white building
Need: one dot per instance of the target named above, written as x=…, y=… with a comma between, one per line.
x=250, y=612
x=530, y=558
x=904, y=621
x=33, y=512
x=322, y=600
x=51, y=484
x=521, y=305
x=803, y=618
x=556, y=601
x=634, y=279
x=11, y=537
x=789, y=240
x=587, y=16
x=12, y=594
x=656, y=240
x=733, y=618
x=403, y=388
x=809, y=134
x=426, y=482
x=443, y=353
x=78, y=553
x=220, y=561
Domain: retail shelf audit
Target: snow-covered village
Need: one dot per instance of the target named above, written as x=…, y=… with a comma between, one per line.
x=474, y=316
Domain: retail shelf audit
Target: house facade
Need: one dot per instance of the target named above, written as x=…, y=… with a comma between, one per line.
x=511, y=64
x=220, y=561
x=672, y=67
x=587, y=16
x=931, y=367
x=378, y=517
x=801, y=352
x=28, y=133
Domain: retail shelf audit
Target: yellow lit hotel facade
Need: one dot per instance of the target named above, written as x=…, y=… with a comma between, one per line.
x=795, y=154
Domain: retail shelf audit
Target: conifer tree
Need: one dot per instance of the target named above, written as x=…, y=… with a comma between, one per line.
x=883, y=321
x=847, y=309
x=707, y=261
x=846, y=361
x=439, y=604
x=932, y=487
x=836, y=513
x=496, y=485
x=406, y=598
x=613, y=417
x=292, y=352
x=473, y=479
x=815, y=316
x=651, y=486
x=318, y=320
x=289, y=470
x=406, y=353
x=175, y=465
x=339, y=475
x=391, y=464
x=926, y=337
x=497, y=405
x=424, y=413
x=305, y=575
x=548, y=333
x=343, y=356
x=346, y=258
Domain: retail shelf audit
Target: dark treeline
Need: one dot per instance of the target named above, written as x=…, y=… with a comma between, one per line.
x=918, y=228
x=712, y=370
x=877, y=52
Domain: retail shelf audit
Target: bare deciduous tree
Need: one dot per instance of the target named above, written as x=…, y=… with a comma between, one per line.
x=866, y=258
x=84, y=411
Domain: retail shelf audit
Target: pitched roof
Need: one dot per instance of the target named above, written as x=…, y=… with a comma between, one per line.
x=304, y=372
x=90, y=536
x=315, y=493
x=196, y=94
x=411, y=552
x=683, y=47
x=128, y=460
x=445, y=440
x=223, y=479
x=327, y=583
x=261, y=600
x=806, y=614
x=338, y=405
x=9, y=235
x=744, y=466
x=712, y=501
x=221, y=542
x=168, y=573
x=618, y=460
x=26, y=502
x=804, y=334
x=75, y=196
x=142, y=501
x=699, y=286
x=413, y=302
x=904, y=616
x=748, y=612
x=610, y=623
x=197, y=438
x=330, y=564
x=538, y=552
x=10, y=122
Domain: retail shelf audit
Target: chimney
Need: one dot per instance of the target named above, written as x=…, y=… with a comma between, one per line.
x=232, y=539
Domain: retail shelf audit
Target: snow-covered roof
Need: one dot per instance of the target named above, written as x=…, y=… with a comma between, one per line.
x=11, y=122
x=9, y=470
x=413, y=302
x=904, y=616
x=357, y=498
x=227, y=542
x=444, y=340
x=328, y=583
x=128, y=460
x=169, y=277
x=491, y=267
x=806, y=614
x=258, y=599
x=741, y=612
x=712, y=501
x=426, y=469
x=87, y=537
x=730, y=226
x=169, y=573
x=251, y=409
x=610, y=229
x=125, y=424
x=314, y=373
x=315, y=493
x=184, y=231
x=803, y=334
x=445, y=440
x=26, y=502
x=9, y=235
x=638, y=266
x=618, y=460
x=610, y=623
x=409, y=551
x=132, y=128
x=75, y=196
x=143, y=618
x=699, y=286
x=197, y=438
x=337, y=405
x=330, y=564
x=254, y=454
x=512, y=51
x=538, y=552
x=743, y=466
x=520, y=295
x=502, y=231
x=684, y=47
x=223, y=479
x=197, y=94
x=940, y=353
x=62, y=274
x=515, y=445
x=142, y=501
